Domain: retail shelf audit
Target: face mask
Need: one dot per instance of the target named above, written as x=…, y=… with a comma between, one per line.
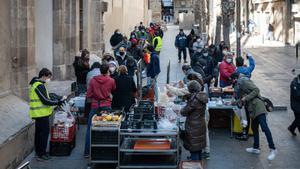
x=112, y=69
x=205, y=54
x=229, y=60
x=225, y=52
x=48, y=81
x=198, y=40
x=122, y=53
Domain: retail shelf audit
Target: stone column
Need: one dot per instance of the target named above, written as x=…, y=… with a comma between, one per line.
x=59, y=67
x=22, y=46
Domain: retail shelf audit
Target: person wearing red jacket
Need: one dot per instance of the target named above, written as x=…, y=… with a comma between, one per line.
x=226, y=69
x=99, y=92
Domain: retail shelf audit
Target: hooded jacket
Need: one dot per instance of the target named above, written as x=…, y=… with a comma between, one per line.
x=41, y=91
x=181, y=41
x=100, y=90
x=153, y=68
x=195, y=126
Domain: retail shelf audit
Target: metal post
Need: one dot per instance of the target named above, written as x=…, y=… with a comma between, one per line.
x=238, y=28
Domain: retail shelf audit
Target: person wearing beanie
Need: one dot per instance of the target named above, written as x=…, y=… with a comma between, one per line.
x=242, y=68
x=195, y=126
x=113, y=69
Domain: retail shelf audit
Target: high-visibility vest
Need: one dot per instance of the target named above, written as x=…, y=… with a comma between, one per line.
x=37, y=108
x=159, y=43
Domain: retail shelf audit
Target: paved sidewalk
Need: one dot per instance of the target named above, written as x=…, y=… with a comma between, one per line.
x=272, y=74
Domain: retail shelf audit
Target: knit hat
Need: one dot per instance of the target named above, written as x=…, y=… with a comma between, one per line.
x=113, y=63
x=194, y=86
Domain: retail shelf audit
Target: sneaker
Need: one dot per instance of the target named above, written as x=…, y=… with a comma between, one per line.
x=206, y=155
x=272, y=154
x=253, y=150
x=292, y=132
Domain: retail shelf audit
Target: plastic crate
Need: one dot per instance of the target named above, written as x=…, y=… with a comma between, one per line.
x=104, y=137
x=104, y=153
x=61, y=148
x=61, y=133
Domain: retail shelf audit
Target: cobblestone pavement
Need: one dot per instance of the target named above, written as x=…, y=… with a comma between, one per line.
x=272, y=74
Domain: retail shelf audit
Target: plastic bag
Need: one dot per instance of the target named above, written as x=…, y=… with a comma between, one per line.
x=165, y=124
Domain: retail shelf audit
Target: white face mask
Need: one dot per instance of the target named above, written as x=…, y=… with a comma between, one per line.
x=229, y=60
x=225, y=52
x=198, y=40
x=112, y=69
x=205, y=54
x=48, y=81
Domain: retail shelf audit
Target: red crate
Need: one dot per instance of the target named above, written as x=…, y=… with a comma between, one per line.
x=61, y=133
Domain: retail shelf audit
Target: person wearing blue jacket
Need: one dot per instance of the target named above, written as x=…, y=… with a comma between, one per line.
x=181, y=43
x=153, y=69
x=245, y=70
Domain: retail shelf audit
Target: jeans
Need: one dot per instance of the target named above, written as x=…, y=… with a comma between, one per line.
x=149, y=82
x=88, y=132
x=181, y=51
x=196, y=156
x=42, y=130
x=296, y=122
x=262, y=121
x=224, y=84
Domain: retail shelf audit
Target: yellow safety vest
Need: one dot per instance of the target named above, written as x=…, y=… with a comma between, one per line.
x=37, y=108
x=159, y=43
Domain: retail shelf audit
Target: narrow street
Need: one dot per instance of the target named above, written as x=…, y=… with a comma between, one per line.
x=273, y=78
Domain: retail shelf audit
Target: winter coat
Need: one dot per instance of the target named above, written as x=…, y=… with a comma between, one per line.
x=123, y=96
x=295, y=95
x=253, y=100
x=190, y=40
x=207, y=65
x=115, y=39
x=81, y=68
x=191, y=71
x=100, y=89
x=181, y=41
x=136, y=52
x=247, y=70
x=120, y=60
x=198, y=45
x=195, y=126
x=131, y=65
x=153, y=68
x=226, y=69
x=91, y=74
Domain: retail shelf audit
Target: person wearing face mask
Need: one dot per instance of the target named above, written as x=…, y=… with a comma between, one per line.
x=135, y=51
x=113, y=69
x=143, y=35
x=81, y=67
x=124, y=95
x=204, y=61
x=198, y=45
x=226, y=69
x=141, y=27
x=181, y=44
x=41, y=110
x=121, y=56
x=295, y=104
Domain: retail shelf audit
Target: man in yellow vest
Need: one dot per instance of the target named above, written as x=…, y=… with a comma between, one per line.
x=40, y=110
x=157, y=43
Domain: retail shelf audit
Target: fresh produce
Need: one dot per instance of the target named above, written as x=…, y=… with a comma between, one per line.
x=107, y=117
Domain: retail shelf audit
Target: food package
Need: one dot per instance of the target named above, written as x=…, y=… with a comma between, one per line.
x=63, y=118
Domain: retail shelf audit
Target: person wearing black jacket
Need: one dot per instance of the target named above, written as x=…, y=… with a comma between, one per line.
x=123, y=96
x=82, y=67
x=295, y=104
x=40, y=96
x=116, y=38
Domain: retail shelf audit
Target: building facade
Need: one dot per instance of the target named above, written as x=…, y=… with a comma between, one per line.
x=182, y=6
